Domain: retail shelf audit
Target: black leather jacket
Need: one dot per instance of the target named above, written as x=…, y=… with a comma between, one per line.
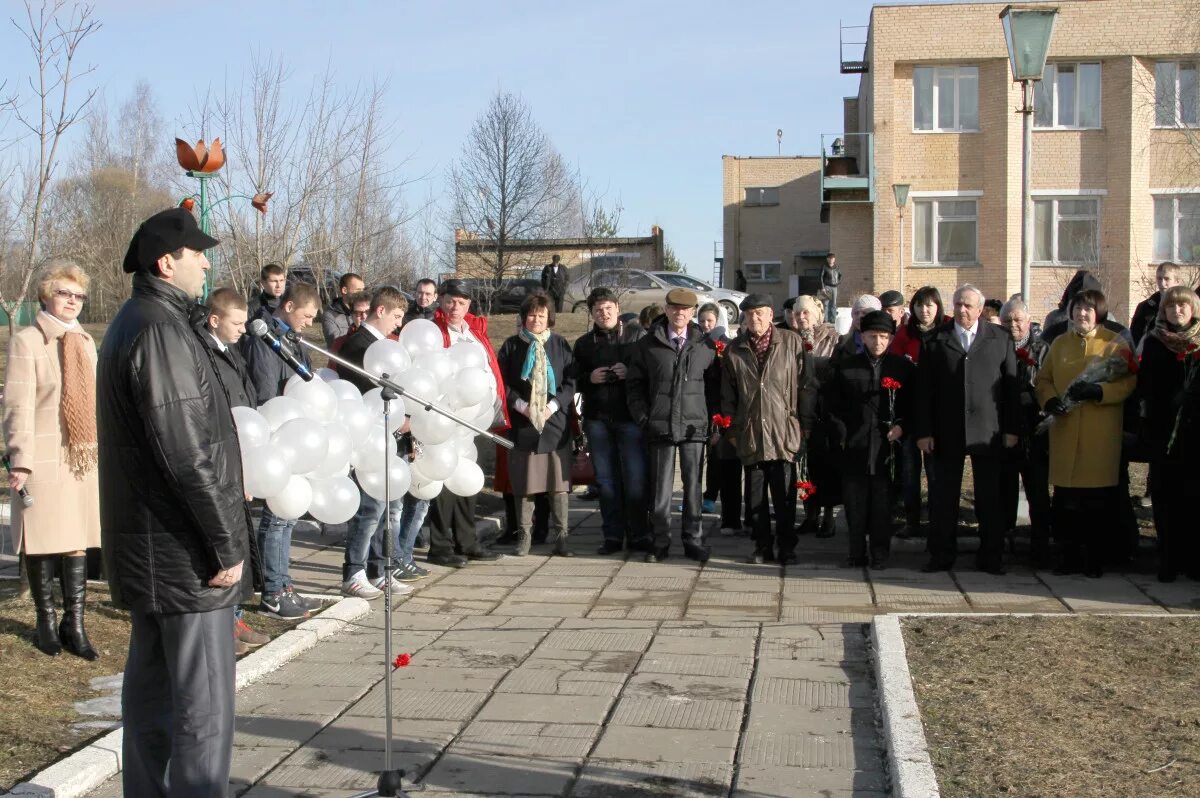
x=600, y=349
x=172, y=511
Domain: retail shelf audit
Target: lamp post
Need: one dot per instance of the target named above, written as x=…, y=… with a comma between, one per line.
x=1027, y=31
x=900, y=192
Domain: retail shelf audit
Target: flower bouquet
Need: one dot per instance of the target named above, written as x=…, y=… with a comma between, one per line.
x=1107, y=368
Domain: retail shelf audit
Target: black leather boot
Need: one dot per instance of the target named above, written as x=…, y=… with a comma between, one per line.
x=41, y=585
x=74, y=588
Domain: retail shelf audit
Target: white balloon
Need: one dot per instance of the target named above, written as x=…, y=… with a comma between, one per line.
x=421, y=335
x=354, y=417
x=425, y=490
x=370, y=453
x=443, y=370
x=294, y=500
x=334, y=501
x=436, y=462
x=466, y=448
x=467, y=479
x=386, y=356
x=337, y=457
x=399, y=478
x=432, y=428
x=327, y=374
x=281, y=409
x=467, y=355
x=303, y=442
x=419, y=381
x=373, y=401
x=253, y=428
x=316, y=397
x=265, y=472
x=345, y=390
x=472, y=386
x=295, y=379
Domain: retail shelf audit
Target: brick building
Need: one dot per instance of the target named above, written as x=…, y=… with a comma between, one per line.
x=1116, y=151
x=476, y=257
x=773, y=230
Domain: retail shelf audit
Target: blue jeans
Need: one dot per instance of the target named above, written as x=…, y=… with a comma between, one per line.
x=619, y=458
x=410, y=524
x=275, y=545
x=364, y=540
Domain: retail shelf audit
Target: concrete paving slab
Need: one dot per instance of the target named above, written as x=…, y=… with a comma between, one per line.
x=833, y=601
x=334, y=769
x=458, y=592
x=678, y=685
x=740, y=584
x=594, y=640
x=733, y=629
x=500, y=775
x=449, y=606
x=251, y=764
x=421, y=704
x=812, y=693
x=783, y=719
x=842, y=751
x=823, y=615
x=632, y=779
x=357, y=732
x=276, y=731
x=711, y=612
x=845, y=673
x=505, y=622
x=473, y=578
x=537, y=608
x=552, y=740
x=423, y=675
x=731, y=599
x=774, y=781
x=546, y=708
x=696, y=666
x=555, y=595
x=652, y=582
x=677, y=712
x=623, y=611
x=666, y=745
x=608, y=661
x=560, y=581
x=704, y=646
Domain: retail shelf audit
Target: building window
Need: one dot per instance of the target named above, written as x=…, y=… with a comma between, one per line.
x=761, y=271
x=1177, y=94
x=945, y=232
x=1066, y=231
x=762, y=196
x=1177, y=228
x=1067, y=96
x=946, y=98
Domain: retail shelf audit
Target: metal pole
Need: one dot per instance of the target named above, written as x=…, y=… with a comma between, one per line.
x=1026, y=202
x=204, y=224
x=900, y=258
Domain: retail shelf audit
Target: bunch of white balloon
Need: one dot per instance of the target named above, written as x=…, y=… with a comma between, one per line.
x=298, y=449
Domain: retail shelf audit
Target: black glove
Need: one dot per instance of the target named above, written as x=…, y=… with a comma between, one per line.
x=1085, y=391
x=1055, y=407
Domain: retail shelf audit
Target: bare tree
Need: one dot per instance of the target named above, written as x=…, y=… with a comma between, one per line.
x=509, y=184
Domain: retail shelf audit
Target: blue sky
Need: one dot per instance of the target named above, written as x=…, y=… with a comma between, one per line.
x=643, y=97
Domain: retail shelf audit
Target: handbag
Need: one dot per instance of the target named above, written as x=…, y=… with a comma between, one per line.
x=582, y=470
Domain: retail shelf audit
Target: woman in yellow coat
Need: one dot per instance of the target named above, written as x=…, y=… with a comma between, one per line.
x=1085, y=442
x=50, y=428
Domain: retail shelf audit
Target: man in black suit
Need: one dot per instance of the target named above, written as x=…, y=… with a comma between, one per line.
x=967, y=404
x=554, y=281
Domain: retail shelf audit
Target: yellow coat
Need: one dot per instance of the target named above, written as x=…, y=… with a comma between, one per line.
x=1085, y=444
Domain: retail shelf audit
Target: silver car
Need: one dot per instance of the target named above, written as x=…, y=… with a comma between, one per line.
x=635, y=289
x=728, y=299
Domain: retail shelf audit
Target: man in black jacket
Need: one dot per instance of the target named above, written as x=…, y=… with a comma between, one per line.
x=867, y=397
x=424, y=303
x=665, y=390
x=222, y=325
x=554, y=281
x=618, y=453
x=967, y=405
x=272, y=282
x=1165, y=276
x=338, y=315
x=174, y=522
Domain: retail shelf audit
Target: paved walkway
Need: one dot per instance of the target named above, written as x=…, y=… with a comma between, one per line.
x=614, y=678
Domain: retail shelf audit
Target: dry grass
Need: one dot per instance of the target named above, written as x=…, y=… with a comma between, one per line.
x=1059, y=706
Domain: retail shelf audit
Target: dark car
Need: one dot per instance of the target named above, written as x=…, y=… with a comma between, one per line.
x=486, y=298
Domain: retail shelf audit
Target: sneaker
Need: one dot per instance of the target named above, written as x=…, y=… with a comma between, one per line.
x=418, y=570
x=306, y=603
x=240, y=648
x=282, y=605
x=398, y=588
x=404, y=573
x=361, y=587
x=248, y=636
x=708, y=506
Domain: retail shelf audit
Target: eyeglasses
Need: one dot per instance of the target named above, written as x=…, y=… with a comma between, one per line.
x=63, y=293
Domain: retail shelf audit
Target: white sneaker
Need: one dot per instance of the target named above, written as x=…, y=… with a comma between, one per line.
x=398, y=588
x=729, y=531
x=361, y=587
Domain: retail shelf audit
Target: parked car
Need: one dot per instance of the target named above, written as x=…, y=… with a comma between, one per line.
x=486, y=298
x=727, y=298
x=635, y=288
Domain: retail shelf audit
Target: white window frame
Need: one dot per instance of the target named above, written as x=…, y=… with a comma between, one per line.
x=1054, y=197
x=760, y=275
x=1049, y=83
x=955, y=126
x=1173, y=196
x=936, y=197
x=1175, y=112
x=767, y=196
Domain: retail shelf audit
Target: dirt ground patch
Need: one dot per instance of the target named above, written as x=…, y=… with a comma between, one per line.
x=1059, y=706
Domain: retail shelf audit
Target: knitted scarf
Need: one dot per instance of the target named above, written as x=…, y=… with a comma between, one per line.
x=78, y=402
x=540, y=376
x=1182, y=340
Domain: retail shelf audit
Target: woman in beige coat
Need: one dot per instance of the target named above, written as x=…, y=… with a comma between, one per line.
x=50, y=428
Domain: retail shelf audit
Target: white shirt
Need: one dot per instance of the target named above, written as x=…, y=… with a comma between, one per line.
x=966, y=335
x=66, y=325
x=378, y=335
x=220, y=343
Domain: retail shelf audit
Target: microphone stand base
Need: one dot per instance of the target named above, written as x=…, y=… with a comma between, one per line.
x=389, y=786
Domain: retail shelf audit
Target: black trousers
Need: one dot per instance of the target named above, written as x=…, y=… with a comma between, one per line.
x=868, y=499
x=558, y=301
x=947, y=487
x=723, y=481
x=1081, y=516
x=177, y=705
x=662, y=477
x=452, y=525
x=541, y=516
x=1032, y=468
x=1173, y=491
x=775, y=477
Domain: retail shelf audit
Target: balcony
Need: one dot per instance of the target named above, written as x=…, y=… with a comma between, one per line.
x=852, y=48
x=847, y=167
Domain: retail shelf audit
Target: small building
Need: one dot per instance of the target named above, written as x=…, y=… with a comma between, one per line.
x=773, y=230
x=475, y=257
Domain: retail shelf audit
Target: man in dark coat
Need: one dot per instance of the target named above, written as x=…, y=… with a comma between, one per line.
x=1165, y=276
x=338, y=315
x=424, y=303
x=602, y=357
x=967, y=405
x=868, y=401
x=175, y=525
x=272, y=282
x=221, y=325
x=666, y=394
x=554, y=281
x=831, y=278
x=768, y=395
x=851, y=343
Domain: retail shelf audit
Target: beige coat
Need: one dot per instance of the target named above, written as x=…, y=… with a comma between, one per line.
x=65, y=515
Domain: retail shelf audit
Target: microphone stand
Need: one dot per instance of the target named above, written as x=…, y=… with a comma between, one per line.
x=390, y=780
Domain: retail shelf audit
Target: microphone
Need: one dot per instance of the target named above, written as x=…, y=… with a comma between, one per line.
x=26, y=499
x=260, y=330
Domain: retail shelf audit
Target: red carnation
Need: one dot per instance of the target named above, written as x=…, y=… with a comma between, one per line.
x=720, y=347
x=806, y=488
x=1025, y=357
x=1130, y=361
x=808, y=346
x=1181, y=356
x=890, y=384
x=401, y=661
x=721, y=421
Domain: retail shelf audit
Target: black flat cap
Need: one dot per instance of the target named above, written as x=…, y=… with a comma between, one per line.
x=891, y=299
x=454, y=288
x=757, y=301
x=879, y=321
x=164, y=232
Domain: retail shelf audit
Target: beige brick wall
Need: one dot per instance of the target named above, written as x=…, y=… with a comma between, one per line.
x=1124, y=160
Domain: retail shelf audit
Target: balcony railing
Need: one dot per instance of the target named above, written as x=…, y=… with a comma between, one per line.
x=847, y=167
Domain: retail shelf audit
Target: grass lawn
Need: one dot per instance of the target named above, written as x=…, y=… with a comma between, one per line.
x=1071, y=706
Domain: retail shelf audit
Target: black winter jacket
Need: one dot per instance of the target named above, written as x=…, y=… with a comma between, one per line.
x=554, y=434
x=601, y=349
x=231, y=368
x=354, y=350
x=172, y=511
x=1160, y=383
x=1035, y=350
x=861, y=412
x=666, y=390
x=267, y=370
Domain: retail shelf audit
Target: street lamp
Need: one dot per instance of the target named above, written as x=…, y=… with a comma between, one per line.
x=1027, y=31
x=900, y=192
